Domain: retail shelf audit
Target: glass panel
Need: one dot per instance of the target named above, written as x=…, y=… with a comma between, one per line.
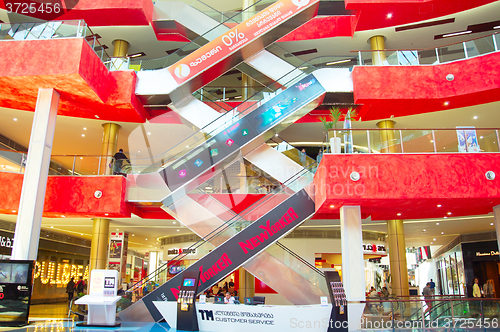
x=451, y=53
x=480, y=46
x=385, y=141
x=487, y=140
x=391, y=58
x=497, y=41
x=366, y=58
x=12, y=161
x=408, y=58
x=446, y=141
x=427, y=57
x=360, y=141
x=417, y=141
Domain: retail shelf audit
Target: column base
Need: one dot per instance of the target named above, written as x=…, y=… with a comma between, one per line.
x=354, y=314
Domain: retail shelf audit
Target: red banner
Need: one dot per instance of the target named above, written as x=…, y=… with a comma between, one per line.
x=230, y=42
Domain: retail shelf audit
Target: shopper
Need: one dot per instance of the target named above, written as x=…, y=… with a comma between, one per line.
x=476, y=291
x=119, y=158
x=433, y=287
x=80, y=286
x=303, y=157
x=427, y=293
x=488, y=288
x=70, y=289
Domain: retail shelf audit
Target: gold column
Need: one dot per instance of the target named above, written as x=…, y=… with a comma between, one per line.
x=397, y=257
x=247, y=84
x=387, y=137
x=109, y=146
x=377, y=45
x=99, y=247
x=120, y=48
x=247, y=284
x=246, y=4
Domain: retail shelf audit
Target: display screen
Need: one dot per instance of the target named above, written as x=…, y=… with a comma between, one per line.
x=188, y=282
x=13, y=273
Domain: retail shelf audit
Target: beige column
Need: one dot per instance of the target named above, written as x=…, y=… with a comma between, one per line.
x=120, y=48
x=109, y=147
x=99, y=247
x=247, y=284
x=377, y=45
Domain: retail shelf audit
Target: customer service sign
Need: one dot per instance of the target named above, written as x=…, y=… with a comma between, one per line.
x=242, y=34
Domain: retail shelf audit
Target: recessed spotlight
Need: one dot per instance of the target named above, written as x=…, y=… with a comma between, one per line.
x=83, y=135
x=146, y=239
x=424, y=230
x=442, y=233
x=433, y=239
x=84, y=128
x=481, y=137
x=449, y=213
x=445, y=217
x=63, y=216
x=149, y=133
x=475, y=117
x=491, y=224
x=432, y=141
x=81, y=158
x=81, y=233
x=15, y=119
x=133, y=234
x=14, y=211
x=446, y=103
x=173, y=222
x=187, y=146
x=138, y=151
x=437, y=223
x=117, y=229
x=332, y=206
x=106, y=214
x=96, y=116
x=432, y=242
x=389, y=15
x=276, y=135
x=177, y=230
x=51, y=226
x=399, y=214
x=439, y=205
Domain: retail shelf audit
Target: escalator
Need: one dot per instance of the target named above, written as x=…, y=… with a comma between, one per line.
x=247, y=243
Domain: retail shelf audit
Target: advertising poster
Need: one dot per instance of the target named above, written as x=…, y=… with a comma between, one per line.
x=467, y=140
x=115, y=249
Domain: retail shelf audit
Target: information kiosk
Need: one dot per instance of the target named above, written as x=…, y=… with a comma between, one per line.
x=187, y=318
x=16, y=281
x=102, y=299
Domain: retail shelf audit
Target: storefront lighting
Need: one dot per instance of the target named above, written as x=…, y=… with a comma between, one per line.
x=61, y=274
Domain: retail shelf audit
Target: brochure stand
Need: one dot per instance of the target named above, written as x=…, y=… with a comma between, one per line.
x=339, y=302
x=102, y=299
x=187, y=319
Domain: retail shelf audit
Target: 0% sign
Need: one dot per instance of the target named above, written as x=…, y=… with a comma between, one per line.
x=232, y=37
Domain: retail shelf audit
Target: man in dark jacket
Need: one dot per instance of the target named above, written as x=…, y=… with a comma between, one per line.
x=70, y=289
x=119, y=158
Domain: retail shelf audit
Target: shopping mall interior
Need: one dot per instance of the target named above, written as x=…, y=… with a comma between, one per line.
x=267, y=147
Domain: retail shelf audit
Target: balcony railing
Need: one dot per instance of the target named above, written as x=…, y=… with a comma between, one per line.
x=72, y=165
x=441, y=140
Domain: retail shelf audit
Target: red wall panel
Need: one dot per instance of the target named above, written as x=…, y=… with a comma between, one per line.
x=410, y=184
x=71, y=196
x=405, y=90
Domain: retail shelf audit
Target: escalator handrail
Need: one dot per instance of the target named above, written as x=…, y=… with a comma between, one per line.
x=300, y=259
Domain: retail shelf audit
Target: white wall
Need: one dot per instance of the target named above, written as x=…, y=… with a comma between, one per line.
x=425, y=272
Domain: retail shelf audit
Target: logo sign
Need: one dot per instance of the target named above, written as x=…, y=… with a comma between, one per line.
x=182, y=173
x=239, y=36
x=181, y=251
x=229, y=142
x=109, y=282
x=244, y=132
x=214, y=152
x=46, y=10
x=198, y=162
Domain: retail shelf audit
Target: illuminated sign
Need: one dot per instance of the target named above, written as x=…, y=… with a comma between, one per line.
x=59, y=273
x=491, y=253
x=181, y=251
x=375, y=249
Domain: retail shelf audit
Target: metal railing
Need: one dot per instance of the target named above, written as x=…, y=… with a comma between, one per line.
x=72, y=165
x=431, y=312
x=427, y=140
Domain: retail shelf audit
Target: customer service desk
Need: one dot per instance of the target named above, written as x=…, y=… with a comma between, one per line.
x=242, y=318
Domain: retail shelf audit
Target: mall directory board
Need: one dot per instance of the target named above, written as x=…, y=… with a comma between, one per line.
x=16, y=284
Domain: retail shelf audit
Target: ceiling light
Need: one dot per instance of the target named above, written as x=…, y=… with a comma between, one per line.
x=106, y=214
x=332, y=206
x=475, y=117
x=389, y=15
x=437, y=223
x=63, y=216
x=337, y=62
x=491, y=224
x=146, y=239
x=424, y=230
x=442, y=233
x=177, y=230
x=51, y=226
x=439, y=205
x=97, y=116
x=399, y=214
x=15, y=119
x=187, y=146
x=136, y=55
x=445, y=217
x=481, y=137
x=14, y=211
x=433, y=239
x=457, y=33
x=83, y=135
x=237, y=97
x=133, y=234
x=302, y=68
x=81, y=158
x=138, y=151
x=149, y=133
x=173, y=222
x=432, y=242
x=117, y=229
x=432, y=141
x=276, y=135
x=84, y=128
x=497, y=27
x=449, y=213
x=446, y=103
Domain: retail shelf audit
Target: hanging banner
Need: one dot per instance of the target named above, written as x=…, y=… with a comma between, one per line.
x=239, y=36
